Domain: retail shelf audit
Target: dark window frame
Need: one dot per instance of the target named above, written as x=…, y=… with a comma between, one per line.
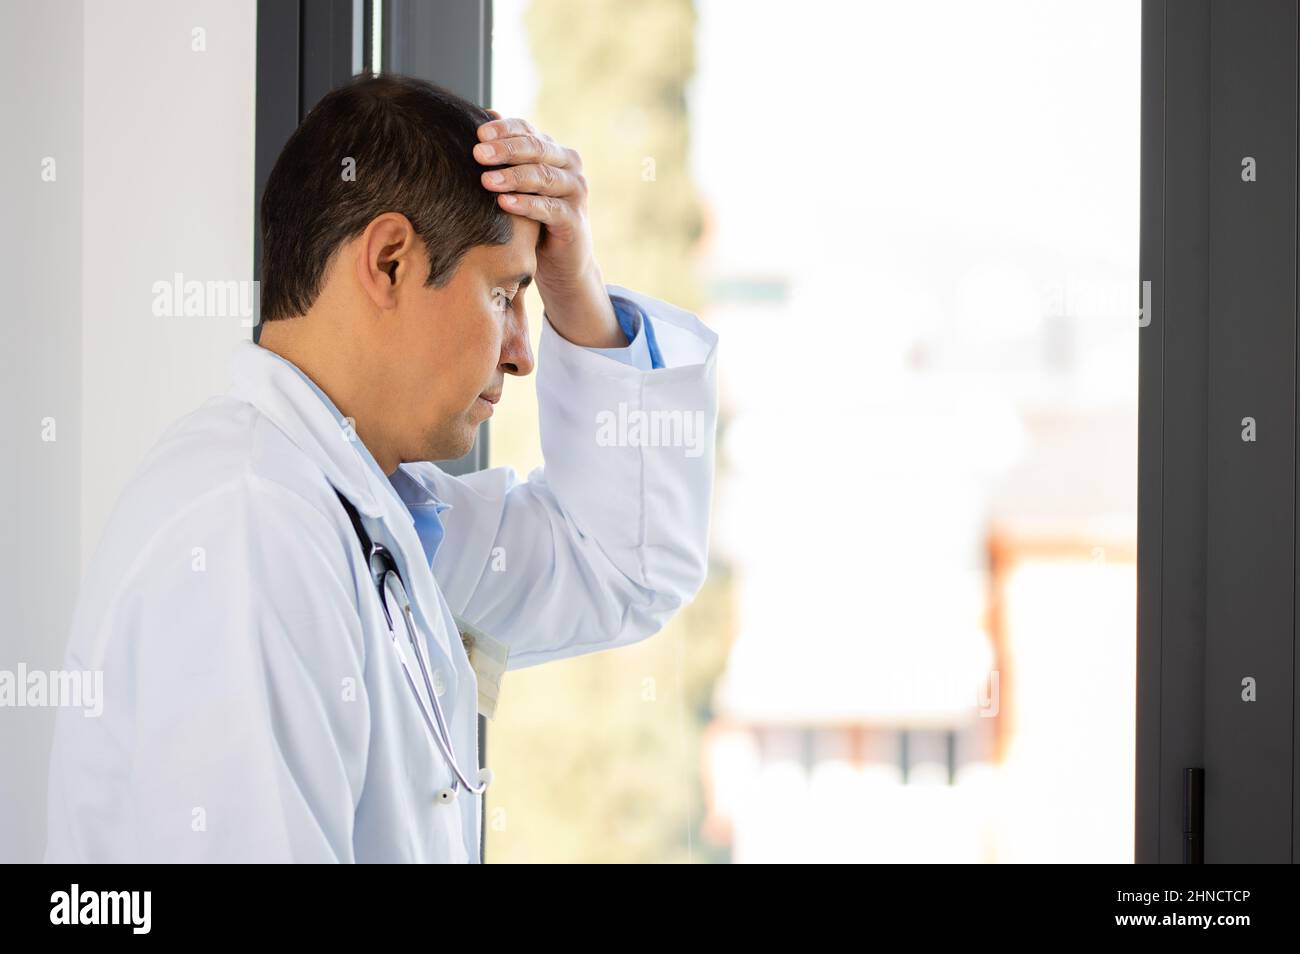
x=1216, y=776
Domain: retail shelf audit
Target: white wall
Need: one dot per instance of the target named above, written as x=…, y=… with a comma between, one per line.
x=40, y=378
x=168, y=188
x=154, y=148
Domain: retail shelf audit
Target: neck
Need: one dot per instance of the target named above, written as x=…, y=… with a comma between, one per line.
x=324, y=351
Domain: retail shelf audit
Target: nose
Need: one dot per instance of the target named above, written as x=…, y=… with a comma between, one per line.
x=516, y=349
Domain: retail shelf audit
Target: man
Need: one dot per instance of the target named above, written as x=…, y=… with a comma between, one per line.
x=268, y=695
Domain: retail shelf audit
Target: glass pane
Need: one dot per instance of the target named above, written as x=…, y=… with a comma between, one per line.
x=915, y=228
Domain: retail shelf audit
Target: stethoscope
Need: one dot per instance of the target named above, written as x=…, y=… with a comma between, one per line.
x=386, y=578
x=383, y=570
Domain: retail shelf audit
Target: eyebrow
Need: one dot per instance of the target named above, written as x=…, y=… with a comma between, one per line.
x=523, y=280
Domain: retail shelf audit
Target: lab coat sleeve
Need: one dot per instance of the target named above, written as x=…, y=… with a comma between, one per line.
x=241, y=647
x=640, y=351
x=600, y=546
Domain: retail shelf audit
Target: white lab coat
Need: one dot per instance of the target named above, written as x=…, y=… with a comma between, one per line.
x=254, y=708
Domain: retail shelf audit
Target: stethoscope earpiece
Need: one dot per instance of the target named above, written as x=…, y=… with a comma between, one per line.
x=381, y=564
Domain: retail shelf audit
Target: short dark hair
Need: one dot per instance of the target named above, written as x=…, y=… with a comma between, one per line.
x=412, y=144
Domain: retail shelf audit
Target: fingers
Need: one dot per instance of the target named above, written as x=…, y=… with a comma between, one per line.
x=500, y=128
x=557, y=215
x=538, y=178
x=514, y=141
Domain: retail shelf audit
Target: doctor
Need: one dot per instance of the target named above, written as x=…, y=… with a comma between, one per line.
x=275, y=602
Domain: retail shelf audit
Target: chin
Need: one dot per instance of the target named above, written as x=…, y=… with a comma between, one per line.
x=470, y=438
x=453, y=448
x=451, y=442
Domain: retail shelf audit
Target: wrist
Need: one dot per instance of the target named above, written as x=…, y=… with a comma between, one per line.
x=582, y=312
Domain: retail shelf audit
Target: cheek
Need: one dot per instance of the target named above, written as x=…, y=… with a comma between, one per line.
x=465, y=360
x=482, y=344
x=450, y=358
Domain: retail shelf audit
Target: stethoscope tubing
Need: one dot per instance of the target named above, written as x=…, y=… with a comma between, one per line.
x=441, y=734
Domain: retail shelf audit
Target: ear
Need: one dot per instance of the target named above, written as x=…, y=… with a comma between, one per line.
x=388, y=257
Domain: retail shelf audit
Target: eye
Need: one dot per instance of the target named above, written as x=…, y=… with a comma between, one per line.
x=503, y=301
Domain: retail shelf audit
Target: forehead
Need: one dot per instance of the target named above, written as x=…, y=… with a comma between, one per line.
x=516, y=256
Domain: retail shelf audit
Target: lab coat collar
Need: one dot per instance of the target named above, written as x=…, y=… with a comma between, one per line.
x=298, y=407
x=293, y=403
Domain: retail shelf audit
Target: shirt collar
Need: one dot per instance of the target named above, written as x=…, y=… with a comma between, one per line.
x=414, y=490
